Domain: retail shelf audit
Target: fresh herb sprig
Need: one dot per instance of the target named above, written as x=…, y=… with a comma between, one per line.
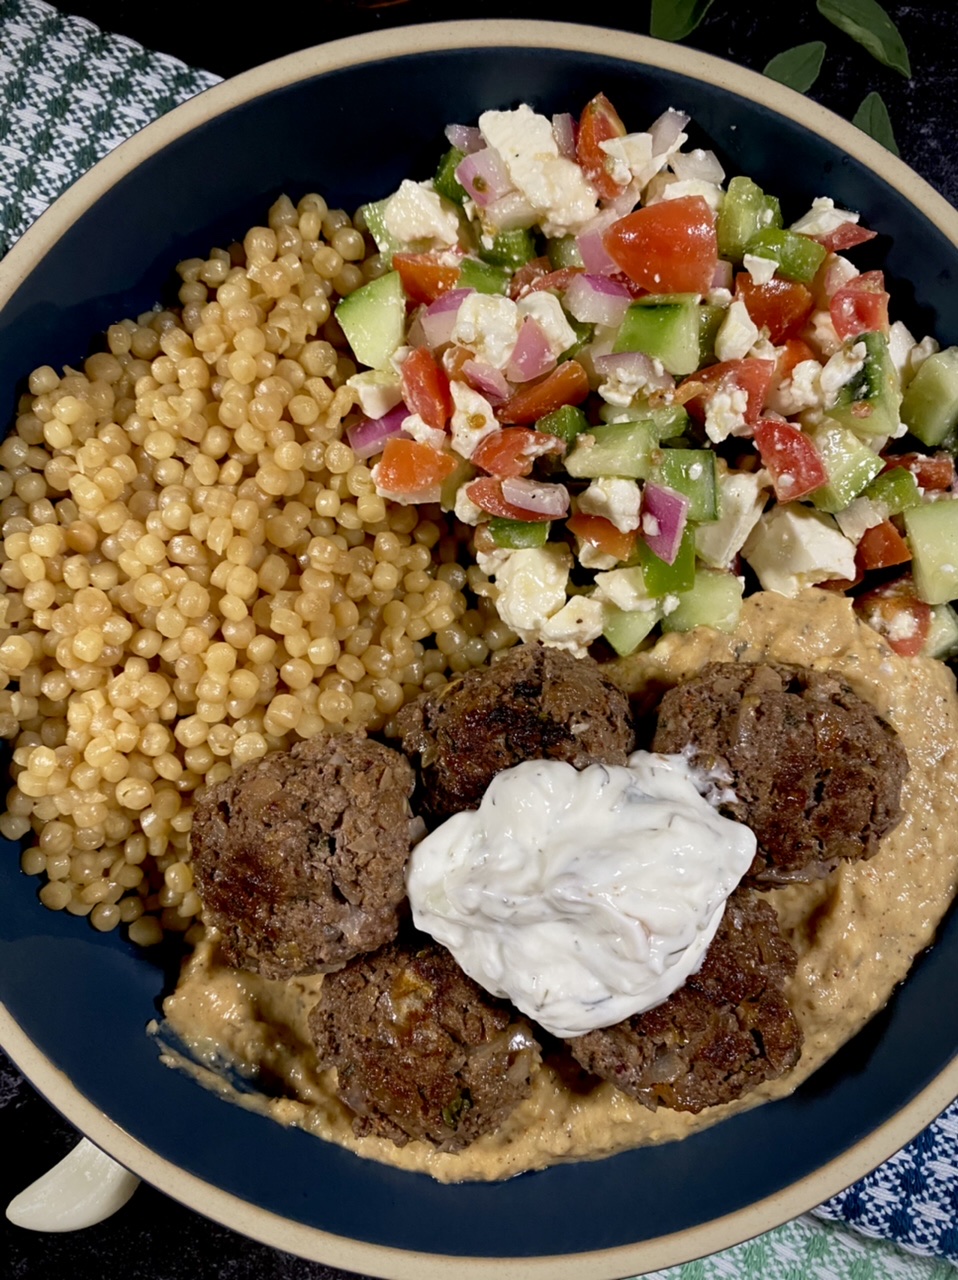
x=865, y=21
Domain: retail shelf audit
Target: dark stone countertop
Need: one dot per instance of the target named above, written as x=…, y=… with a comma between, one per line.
x=153, y=1237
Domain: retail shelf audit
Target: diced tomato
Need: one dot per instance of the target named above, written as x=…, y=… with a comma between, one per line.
x=793, y=462
x=751, y=375
x=538, y=274
x=847, y=236
x=598, y=123
x=882, y=546
x=424, y=276
x=425, y=388
x=895, y=611
x=513, y=451
x=602, y=534
x=780, y=306
x=793, y=353
x=486, y=493
x=412, y=472
x=568, y=383
x=861, y=306
x=937, y=473
x=670, y=247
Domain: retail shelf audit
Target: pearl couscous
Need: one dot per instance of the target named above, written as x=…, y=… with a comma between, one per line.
x=197, y=569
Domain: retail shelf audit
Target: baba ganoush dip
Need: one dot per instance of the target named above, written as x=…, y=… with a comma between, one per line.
x=856, y=932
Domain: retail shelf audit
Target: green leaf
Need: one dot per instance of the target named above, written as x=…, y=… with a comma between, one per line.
x=872, y=118
x=674, y=19
x=868, y=23
x=798, y=67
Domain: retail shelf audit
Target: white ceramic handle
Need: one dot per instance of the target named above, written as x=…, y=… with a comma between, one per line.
x=83, y=1189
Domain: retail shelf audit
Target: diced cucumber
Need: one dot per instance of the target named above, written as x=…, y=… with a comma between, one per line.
x=483, y=277
x=691, y=472
x=710, y=321
x=664, y=326
x=745, y=211
x=932, y=532
x=374, y=214
x=445, y=181
x=942, y=639
x=663, y=579
x=896, y=490
x=626, y=629
x=669, y=422
x=584, y=333
x=869, y=403
x=621, y=449
x=929, y=408
x=849, y=462
x=373, y=318
x=713, y=600
x=464, y=472
x=798, y=256
x=518, y=534
x=564, y=252
x=510, y=249
x=565, y=422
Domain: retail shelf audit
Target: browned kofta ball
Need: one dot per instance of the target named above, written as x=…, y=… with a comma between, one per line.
x=536, y=702
x=725, y=1031
x=421, y=1051
x=300, y=857
x=816, y=772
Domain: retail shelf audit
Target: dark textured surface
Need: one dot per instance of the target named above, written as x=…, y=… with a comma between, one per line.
x=153, y=1237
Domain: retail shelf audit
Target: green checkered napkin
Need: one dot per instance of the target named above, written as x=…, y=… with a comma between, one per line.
x=69, y=93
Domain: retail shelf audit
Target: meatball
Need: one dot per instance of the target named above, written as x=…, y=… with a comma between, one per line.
x=816, y=773
x=534, y=703
x=725, y=1031
x=300, y=857
x=421, y=1051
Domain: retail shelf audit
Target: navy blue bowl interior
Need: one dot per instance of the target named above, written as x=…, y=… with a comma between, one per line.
x=85, y=999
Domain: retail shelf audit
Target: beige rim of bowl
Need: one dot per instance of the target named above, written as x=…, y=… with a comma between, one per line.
x=270, y=1228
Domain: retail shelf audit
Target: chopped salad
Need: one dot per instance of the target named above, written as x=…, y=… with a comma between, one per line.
x=646, y=392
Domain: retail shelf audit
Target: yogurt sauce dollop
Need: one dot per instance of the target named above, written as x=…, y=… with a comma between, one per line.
x=583, y=896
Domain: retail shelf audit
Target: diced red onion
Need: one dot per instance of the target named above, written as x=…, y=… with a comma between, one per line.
x=487, y=380
x=595, y=259
x=484, y=176
x=439, y=318
x=634, y=366
x=697, y=166
x=532, y=355
x=465, y=138
x=664, y=513
x=665, y=131
x=563, y=130
x=724, y=275
x=550, y=500
x=596, y=299
x=369, y=435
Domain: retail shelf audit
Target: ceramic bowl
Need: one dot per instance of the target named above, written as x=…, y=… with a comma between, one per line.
x=352, y=118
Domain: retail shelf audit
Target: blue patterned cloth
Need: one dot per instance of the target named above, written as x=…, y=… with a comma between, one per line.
x=69, y=93
x=913, y=1197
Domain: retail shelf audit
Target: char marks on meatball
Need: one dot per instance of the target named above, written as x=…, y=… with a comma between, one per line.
x=534, y=703
x=816, y=772
x=725, y=1031
x=420, y=1050
x=300, y=856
